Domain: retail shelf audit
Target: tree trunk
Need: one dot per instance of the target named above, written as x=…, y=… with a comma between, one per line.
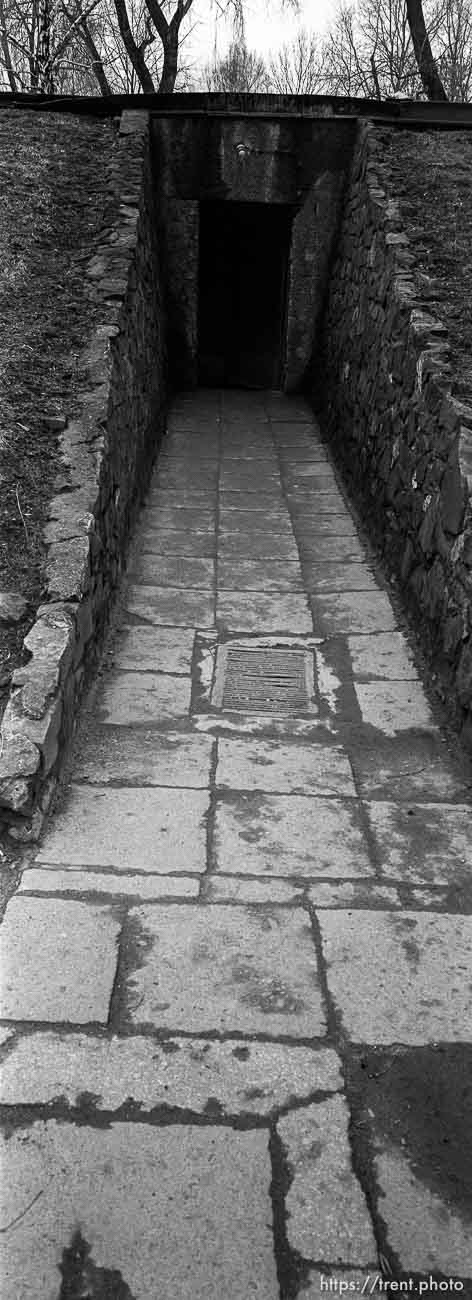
x=6, y=51
x=424, y=55
x=96, y=61
x=171, y=58
x=44, y=73
x=135, y=54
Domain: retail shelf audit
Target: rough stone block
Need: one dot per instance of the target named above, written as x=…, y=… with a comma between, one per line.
x=19, y=762
x=42, y=732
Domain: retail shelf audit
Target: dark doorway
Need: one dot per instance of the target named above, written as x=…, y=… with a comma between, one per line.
x=244, y=251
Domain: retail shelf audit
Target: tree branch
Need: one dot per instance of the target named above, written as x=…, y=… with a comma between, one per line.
x=135, y=55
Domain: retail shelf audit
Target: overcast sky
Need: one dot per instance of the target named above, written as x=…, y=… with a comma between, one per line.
x=268, y=25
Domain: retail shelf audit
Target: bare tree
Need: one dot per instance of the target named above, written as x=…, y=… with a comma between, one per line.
x=346, y=62
x=41, y=41
x=297, y=68
x=453, y=47
x=79, y=46
x=424, y=55
x=370, y=50
x=239, y=69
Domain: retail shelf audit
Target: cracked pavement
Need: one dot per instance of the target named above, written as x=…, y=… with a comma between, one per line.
x=236, y=1014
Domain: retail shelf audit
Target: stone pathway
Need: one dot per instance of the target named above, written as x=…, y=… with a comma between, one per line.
x=236, y=1004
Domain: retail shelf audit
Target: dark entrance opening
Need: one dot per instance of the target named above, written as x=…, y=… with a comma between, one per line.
x=243, y=270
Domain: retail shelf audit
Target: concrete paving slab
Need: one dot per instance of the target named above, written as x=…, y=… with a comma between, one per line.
x=392, y=707
x=250, y=441
x=156, y=830
x=188, y=1074
x=58, y=960
x=344, y=612
x=175, y=571
x=245, y=450
x=423, y=843
x=194, y=498
x=229, y=969
x=318, y=550
x=353, y=893
x=244, y=612
x=399, y=978
x=243, y=521
x=186, y=542
x=257, y=500
x=338, y=576
x=412, y=1103
x=197, y=1201
x=308, y=472
x=327, y=1215
x=143, y=758
x=179, y=518
x=129, y=699
x=382, y=654
x=55, y=880
x=184, y=443
x=283, y=768
x=327, y=525
x=185, y=460
x=295, y=439
x=259, y=575
x=236, y=477
x=201, y=477
x=233, y=889
x=316, y=480
x=171, y=606
x=409, y=767
x=258, y=546
x=150, y=649
x=287, y=835
x=427, y=1235
x=328, y=503
x=307, y=452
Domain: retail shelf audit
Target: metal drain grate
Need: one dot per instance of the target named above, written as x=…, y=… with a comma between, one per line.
x=263, y=680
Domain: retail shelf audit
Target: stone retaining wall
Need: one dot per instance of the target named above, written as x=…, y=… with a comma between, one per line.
x=107, y=454
x=384, y=395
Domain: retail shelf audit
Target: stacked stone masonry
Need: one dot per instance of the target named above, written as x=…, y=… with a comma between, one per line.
x=385, y=393
x=107, y=455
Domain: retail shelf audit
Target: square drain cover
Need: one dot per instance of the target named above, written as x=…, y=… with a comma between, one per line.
x=256, y=679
